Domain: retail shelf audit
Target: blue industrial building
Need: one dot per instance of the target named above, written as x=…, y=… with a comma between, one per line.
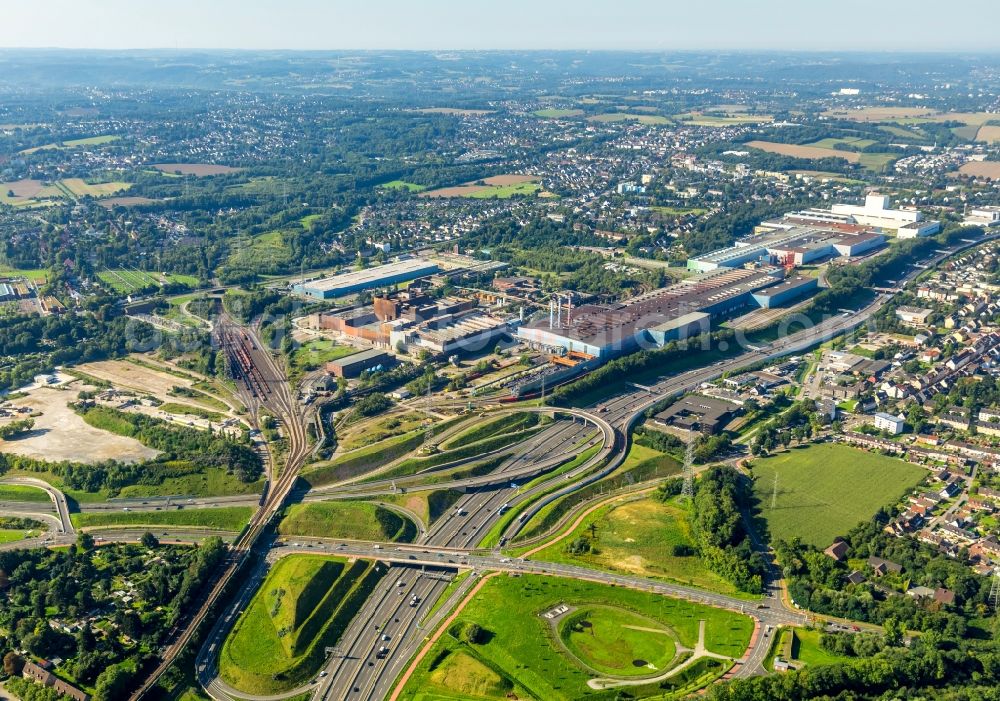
x=367, y=279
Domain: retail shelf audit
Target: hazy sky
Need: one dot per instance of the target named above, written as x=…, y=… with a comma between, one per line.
x=908, y=25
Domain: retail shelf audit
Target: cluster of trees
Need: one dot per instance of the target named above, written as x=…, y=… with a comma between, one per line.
x=205, y=448
x=718, y=529
x=74, y=585
x=657, y=440
x=798, y=422
x=707, y=447
x=31, y=344
x=16, y=428
x=848, y=281
x=947, y=668
x=817, y=582
x=372, y=404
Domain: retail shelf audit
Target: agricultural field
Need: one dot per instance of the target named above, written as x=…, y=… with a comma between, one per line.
x=809, y=152
x=712, y=119
x=608, y=631
x=824, y=490
x=226, y=518
x=650, y=119
x=871, y=161
x=833, y=142
x=196, y=169
x=301, y=608
x=74, y=143
x=988, y=133
x=30, y=193
x=981, y=169
x=78, y=187
x=499, y=186
x=554, y=113
x=452, y=111
x=357, y=520
x=126, y=282
x=638, y=537
x=112, y=202
x=402, y=185
x=37, y=275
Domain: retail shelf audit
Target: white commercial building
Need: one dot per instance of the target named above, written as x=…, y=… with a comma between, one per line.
x=889, y=423
x=907, y=223
x=983, y=216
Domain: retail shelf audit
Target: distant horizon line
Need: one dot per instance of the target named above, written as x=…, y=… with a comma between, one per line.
x=738, y=50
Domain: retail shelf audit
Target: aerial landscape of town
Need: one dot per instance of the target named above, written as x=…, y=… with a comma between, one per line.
x=510, y=373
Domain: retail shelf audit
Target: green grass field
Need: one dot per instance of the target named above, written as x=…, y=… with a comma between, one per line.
x=208, y=482
x=825, y=490
x=358, y=462
x=358, y=520
x=876, y=162
x=302, y=607
x=125, y=281
x=833, y=142
x=503, y=192
x=402, y=185
x=12, y=535
x=520, y=648
x=74, y=143
x=19, y=492
x=555, y=113
x=314, y=354
x=491, y=427
x=649, y=119
x=617, y=642
x=228, y=518
x=175, y=408
x=638, y=538
x=719, y=120
x=678, y=211
x=360, y=434
x=39, y=275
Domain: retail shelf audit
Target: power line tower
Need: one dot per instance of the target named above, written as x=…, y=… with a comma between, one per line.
x=774, y=492
x=687, y=491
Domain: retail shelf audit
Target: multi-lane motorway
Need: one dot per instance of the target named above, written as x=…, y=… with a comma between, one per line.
x=387, y=630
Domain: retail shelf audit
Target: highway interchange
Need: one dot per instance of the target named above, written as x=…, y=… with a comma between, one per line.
x=395, y=619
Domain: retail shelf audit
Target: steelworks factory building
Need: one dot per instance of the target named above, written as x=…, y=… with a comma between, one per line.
x=679, y=311
x=367, y=279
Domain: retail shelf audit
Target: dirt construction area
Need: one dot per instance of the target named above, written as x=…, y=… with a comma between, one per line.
x=128, y=375
x=60, y=434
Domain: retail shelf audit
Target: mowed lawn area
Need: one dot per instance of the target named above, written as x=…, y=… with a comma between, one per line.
x=302, y=608
x=228, y=518
x=519, y=651
x=824, y=490
x=638, y=538
x=346, y=519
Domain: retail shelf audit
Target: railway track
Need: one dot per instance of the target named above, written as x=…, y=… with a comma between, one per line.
x=263, y=385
